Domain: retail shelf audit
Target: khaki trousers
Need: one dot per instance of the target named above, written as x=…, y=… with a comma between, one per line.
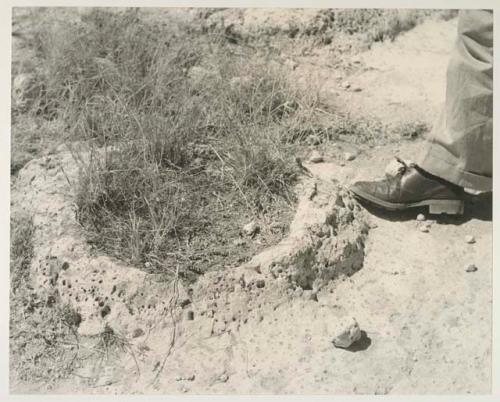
x=460, y=146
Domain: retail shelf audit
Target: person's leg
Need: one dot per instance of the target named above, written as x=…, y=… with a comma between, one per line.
x=460, y=146
x=459, y=152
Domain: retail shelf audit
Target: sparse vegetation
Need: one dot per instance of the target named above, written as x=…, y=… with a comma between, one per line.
x=42, y=335
x=188, y=136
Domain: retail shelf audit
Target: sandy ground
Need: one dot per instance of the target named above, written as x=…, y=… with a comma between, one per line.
x=426, y=321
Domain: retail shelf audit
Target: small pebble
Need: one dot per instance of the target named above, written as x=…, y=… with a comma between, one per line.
x=471, y=268
x=260, y=283
x=238, y=242
x=224, y=377
x=470, y=239
x=349, y=156
x=137, y=333
x=420, y=217
x=251, y=228
x=316, y=157
x=190, y=315
x=424, y=229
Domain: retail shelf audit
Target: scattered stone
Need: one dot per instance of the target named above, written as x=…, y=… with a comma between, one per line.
x=184, y=302
x=420, y=217
x=105, y=311
x=346, y=85
x=316, y=157
x=223, y=377
x=313, y=140
x=25, y=90
x=471, y=268
x=291, y=64
x=260, y=283
x=348, y=156
x=238, y=242
x=313, y=296
x=356, y=89
x=394, y=167
x=251, y=228
x=190, y=377
x=137, y=333
x=470, y=239
x=190, y=315
x=348, y=333
x=424, y=229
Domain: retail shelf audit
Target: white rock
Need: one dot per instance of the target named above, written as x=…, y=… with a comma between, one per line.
x=470, y=239
x=313, y=140
x=420, y=217
x=347, y=333
x=346, y=85
x=25, y=89
x=392, y=168
x=316, y=157
x=349, y=156
x=251, y=228
x=424, y=229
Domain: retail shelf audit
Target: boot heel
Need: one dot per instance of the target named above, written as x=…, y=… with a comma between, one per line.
x=450, y=207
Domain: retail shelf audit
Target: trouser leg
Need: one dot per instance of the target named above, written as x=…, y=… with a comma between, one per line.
x=460, y=147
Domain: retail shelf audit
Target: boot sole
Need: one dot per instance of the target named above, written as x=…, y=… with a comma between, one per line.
x=436, y=207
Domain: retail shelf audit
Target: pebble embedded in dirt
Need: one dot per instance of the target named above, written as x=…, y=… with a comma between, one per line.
x=105, y=311
x=190, y=377
x=424, y=229
x=190, y=315
x=348, y=332
x=223, y=377
x=316, y=157
x=137, y=333
x=471, y=268
x=470, y=239
x=348, y=156
x=260, y=283
x=238, y=242
x=251, y=228
x=346, y=85
x=420, y=217
x=313, y=140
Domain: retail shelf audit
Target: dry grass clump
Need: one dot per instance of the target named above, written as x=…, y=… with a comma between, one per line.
x=188, y=136
x=183, y=134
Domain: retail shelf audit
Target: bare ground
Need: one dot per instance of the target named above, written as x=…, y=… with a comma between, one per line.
x=426, y=321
